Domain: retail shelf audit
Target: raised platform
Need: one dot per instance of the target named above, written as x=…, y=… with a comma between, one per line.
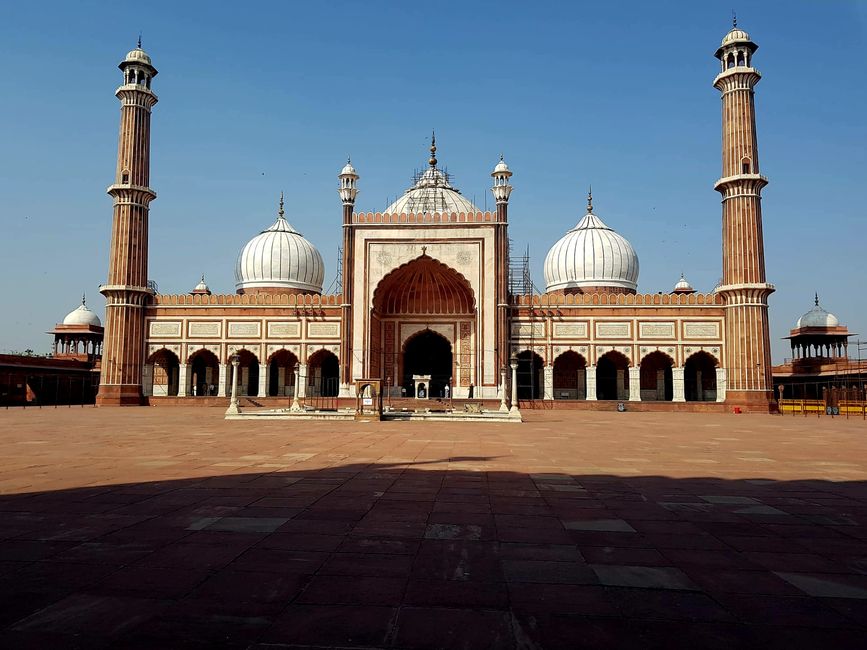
x=424, y=415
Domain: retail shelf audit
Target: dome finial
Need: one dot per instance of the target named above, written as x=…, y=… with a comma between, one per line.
x=433, y=149
x=84, y=300
x=139, y=40
x=590, y=200
x=816, y=300
x=281, y=212
x=734, y=19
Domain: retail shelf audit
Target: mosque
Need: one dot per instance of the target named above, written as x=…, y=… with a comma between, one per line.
x=426, y=291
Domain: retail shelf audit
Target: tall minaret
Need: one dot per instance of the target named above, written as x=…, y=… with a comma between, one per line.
x=126, y=291
x=502, y=190
x=348, y=190
x=744, y=287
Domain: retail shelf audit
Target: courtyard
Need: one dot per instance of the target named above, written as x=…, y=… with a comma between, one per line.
x=174, y=528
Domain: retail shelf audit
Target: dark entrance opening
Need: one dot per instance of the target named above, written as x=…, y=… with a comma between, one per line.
x=611, y=370
x=427, y=353
x=530, y=375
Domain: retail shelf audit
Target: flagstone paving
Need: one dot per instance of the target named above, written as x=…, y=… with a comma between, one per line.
x=174, y=528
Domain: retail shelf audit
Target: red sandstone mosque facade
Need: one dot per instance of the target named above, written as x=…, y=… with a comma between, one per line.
x=425, y=291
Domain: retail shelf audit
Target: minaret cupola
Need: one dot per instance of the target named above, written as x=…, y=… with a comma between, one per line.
x=137, y=68
x=501, y=175
x=736, y=49
x=348, y=189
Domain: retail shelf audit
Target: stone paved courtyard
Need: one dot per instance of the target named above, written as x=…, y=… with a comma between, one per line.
x=173, y=528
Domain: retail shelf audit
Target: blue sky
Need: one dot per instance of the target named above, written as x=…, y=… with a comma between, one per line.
x=260, y=97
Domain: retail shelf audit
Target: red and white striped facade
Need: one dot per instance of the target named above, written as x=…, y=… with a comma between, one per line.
x=126, y=291
x=744, y=286
x=407, y=273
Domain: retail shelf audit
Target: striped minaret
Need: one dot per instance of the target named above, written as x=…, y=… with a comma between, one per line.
x=126, y=291
x=744, y=287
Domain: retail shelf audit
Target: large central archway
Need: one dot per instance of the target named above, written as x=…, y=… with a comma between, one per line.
x=423, y=322
x=427, y=353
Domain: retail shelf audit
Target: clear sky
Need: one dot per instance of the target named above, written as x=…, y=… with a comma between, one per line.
x=259, y=97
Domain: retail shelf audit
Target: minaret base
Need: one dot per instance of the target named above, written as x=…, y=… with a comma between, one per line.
x=752, y=401
x=120, y=395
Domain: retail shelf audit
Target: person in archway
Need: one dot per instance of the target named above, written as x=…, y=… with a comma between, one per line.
x=470, y=393
x=446, y=391
x=422, y=393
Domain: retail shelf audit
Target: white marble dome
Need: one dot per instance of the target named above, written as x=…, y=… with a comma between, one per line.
x=138, y=55
x=82, y=316
x=591, y=255
x=279, y=258
x=817, y=317
x=432, y=192
x=735, y=36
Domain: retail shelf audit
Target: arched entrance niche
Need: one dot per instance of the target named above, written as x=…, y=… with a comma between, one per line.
x=427, y=353
x=165, y=373
x=657, y=383
x=428, y=296
x=323, y=374
x=699, y=378
x=531, y=375
x=612, y=376
x=203, y=374
x=248, y=374
x=281, y=374
x=570, y=376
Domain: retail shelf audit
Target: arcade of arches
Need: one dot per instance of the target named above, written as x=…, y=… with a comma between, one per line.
x=204, y=376
x=423, y=322
x=656, y=379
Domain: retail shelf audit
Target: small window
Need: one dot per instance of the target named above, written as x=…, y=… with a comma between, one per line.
x=746, y=166
x=124, y=177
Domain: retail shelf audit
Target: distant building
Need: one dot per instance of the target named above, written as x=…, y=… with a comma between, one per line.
x=69, y=376
x=426, y=290
x=821, y=363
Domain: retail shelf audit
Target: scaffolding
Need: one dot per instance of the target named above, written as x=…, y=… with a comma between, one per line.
x=520, y=281
x=336, y=286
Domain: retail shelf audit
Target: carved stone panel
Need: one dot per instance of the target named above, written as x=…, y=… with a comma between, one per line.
x=283, y=330
x=323, y=330
x=701, y=330
x=570, y=330
x=656, y=330
x=163, y=328
x=211, y=328
x=613, y=330
x=245, y=329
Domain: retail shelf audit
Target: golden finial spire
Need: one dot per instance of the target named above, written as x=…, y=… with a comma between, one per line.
x=280, y=211
x=433, y=149
x=590, y=200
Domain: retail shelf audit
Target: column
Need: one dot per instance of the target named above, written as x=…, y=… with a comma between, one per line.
x=183, y=386
x=621, y=384
x=591, y=383
x=301, y=380
x=548, y=384
x=221, y=381
x=582, y=384
x=721, y=384
x=233, y=402
x=514, y=408
x=677, y=385
x=147, y=379
x=296, y=405
x=504, y=407
x=263, y=380
x=634, y=384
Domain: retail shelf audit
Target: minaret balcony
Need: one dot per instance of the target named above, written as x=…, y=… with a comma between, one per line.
x=753, y=181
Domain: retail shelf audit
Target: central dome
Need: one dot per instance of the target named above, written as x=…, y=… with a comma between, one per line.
x=432, y=192
x=279, y=260
x=591, y=257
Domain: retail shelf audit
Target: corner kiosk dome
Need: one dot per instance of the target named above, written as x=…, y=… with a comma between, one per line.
x=817, y=317
x=279, y=260
x=82, y=316
x=591, y=258
x=432, y=192
x=682, y=286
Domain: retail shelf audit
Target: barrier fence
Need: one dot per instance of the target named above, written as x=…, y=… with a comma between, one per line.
x=24, y=390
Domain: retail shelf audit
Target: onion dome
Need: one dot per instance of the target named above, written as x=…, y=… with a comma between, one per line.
x=735, y=36
x=138, y=55
x=591, y=256
x=683, y=286
x=432, y=192
x=348, y=169
x=279, y=258
x=201, y=288
x=501, y=168
x=82, y=316
x=817, y=317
